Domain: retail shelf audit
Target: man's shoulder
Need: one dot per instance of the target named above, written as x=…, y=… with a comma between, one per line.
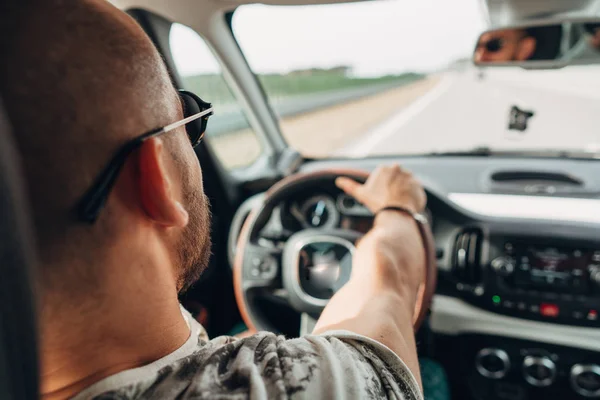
x=266, y=365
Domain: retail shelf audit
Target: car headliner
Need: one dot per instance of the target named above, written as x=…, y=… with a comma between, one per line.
x=499, y=12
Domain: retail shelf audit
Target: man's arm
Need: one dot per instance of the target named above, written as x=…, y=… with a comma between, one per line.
x=379, y=300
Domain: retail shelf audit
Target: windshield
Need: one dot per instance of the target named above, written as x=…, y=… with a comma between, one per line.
x=395, y=77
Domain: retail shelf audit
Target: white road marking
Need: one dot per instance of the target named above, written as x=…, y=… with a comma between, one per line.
x=391, y=126
x=534, y=207
x=472, y=110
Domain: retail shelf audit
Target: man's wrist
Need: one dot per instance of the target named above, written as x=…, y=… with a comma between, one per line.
x=392, y=218
x=394, y=245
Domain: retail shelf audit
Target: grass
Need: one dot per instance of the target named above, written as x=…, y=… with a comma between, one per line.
x=214, y=89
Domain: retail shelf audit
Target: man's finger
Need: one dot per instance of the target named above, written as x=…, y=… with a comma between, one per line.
x=348, y=185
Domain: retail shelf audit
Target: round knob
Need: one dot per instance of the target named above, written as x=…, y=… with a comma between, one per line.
x=492, y=363
x=348, y=202
x=595, y=277
x=539, y=371
x=503, y=265
x=585, y=379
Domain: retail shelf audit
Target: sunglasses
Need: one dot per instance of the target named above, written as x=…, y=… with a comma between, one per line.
x=196, y=113
x=492, y=45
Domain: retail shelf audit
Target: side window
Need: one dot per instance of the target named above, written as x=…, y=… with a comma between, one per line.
x=228, y=132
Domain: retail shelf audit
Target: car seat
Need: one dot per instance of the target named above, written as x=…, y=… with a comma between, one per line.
x=18, y=334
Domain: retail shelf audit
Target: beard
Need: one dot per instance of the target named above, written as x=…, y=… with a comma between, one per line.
x=194, y=247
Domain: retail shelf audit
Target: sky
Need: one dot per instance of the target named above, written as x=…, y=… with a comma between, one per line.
x=374, y=38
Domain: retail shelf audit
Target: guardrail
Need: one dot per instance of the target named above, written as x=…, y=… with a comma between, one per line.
x=233, y=119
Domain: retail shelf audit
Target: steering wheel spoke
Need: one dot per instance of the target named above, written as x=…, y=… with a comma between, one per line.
x=307, y=324
x=262, y=267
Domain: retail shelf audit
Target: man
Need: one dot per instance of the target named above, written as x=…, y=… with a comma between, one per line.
x=505, y=45
x=119, y=237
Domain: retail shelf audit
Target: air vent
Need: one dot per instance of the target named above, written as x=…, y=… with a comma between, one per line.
x=467, y=255
x=535, y=176
x=535, y=182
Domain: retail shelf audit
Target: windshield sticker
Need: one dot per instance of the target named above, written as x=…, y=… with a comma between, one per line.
x=517, y=118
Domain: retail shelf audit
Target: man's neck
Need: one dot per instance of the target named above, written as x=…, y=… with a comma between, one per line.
x=131, y=325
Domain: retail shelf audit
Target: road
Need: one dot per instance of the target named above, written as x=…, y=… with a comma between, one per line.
x=320, y=132
x=230, y=119
x=464, y=111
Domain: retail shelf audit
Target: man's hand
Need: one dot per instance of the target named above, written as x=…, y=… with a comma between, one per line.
x=386, y=186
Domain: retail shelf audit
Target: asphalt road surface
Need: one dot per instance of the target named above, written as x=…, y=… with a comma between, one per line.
x=467, y=110
x=322, y=131
x=230, y=119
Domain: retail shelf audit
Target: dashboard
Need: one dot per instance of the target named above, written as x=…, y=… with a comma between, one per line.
x=321, y=208
x=518, y=260
x=326, y=210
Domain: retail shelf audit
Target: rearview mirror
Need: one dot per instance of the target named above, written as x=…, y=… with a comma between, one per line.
x=540, y=45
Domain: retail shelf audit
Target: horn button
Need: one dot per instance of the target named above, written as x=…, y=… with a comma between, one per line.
x=315, y=266
x=319, y=268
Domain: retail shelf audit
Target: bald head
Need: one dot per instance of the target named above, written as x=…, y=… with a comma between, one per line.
x=81, y=79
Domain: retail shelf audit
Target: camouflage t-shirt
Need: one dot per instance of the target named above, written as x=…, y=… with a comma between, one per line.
x=336, y=364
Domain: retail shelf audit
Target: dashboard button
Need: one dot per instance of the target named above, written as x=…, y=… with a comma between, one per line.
x=263, y=268
x=549, y=310
x=508, y=304
x=503, y=266
x=578, y=314
x=492, y=363
x=539, y=371
x=595, y=277
x=585, y=379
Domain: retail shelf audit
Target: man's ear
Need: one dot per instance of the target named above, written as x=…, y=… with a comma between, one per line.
x=156, y=187
x=526, y=48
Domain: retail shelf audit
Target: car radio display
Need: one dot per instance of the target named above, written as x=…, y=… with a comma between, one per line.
x=553, y=259
x=554, y=268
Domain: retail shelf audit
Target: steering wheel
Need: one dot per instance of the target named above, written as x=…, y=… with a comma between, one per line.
x=313, y=264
